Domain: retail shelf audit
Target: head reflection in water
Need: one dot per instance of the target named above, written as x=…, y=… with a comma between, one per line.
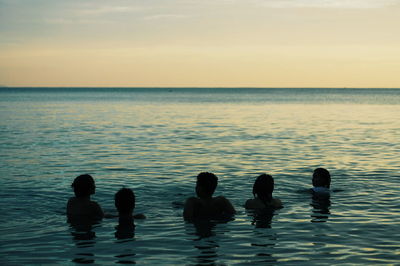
x=262, y=218
x=320, y=211
x=84, y=237
x=206, y=242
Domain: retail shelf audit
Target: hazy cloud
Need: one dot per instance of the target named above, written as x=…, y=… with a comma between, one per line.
x=103, y=10
x=70, y=21
x=165, y=16
x=298, y=3
x=327, y=3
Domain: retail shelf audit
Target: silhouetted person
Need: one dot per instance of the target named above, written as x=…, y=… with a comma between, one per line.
x=321, y=181
x=125, y=202
x=205, y=206
x=262, y=192
x=80, y=209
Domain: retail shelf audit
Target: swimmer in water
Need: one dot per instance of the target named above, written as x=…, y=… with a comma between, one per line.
x=321, y=181
x=81, y=207
x=125, y=202
x=205, y=206
x=262, y=191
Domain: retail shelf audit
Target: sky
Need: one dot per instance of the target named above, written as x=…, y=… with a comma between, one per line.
x=200, y=43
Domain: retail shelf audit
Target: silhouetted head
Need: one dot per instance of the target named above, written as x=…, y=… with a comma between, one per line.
x=206, y=184
x=83, y=186
x=321, y=178
x=263, y=187
x=125, y=200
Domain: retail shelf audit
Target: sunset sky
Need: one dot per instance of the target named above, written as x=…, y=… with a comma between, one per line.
x=203, y=43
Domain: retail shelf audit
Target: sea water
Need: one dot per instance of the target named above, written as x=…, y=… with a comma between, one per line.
x=156, y=141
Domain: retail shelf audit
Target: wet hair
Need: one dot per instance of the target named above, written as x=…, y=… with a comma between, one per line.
x=263, y=187
x=83, y=185
x=321, y=178
x=125, y=200
x=208, y=182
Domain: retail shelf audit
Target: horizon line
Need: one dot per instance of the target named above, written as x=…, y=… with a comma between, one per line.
x=189, y=87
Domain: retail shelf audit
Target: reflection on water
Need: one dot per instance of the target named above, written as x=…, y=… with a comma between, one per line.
x=265, y=247
x=83, y=237
x=84, y=258
x=321, y=209
x=264, y=239
x=204, y=228
x=127, y=257
x=125, y=229
x=208, y=252
x=125, y=233
x=205, y=241
x=261, y=217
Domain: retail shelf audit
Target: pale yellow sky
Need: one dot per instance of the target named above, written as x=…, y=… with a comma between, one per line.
x=255, y=43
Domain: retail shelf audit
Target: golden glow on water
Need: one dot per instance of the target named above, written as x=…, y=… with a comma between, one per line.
x=339, y=135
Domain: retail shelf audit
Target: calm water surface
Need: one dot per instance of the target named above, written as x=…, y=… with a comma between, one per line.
x=156, y=141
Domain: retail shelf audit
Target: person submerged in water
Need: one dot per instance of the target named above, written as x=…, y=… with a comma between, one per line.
x=205, y=206
x=321, y=181
x=125, y=202
x=262, y=191
x=81, y=207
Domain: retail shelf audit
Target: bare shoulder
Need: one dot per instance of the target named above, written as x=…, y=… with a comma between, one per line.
x=98, y=211
x=221, y=199
x=139, y=216
x=224, y=204
x=94, y=204
x=191, y=200
x=188, y=209
x=70, y=205
x=250, y=204
x=277, y=203
x=258, y=204
x=254, y=204
x=71, y=200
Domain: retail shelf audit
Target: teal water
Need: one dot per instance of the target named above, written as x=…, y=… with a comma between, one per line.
x=157, y=140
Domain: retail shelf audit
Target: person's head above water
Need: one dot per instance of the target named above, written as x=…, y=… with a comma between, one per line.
x=83, y=186
x=125, y=201
x=263, y=187
x=206, y=184
x=321, y=178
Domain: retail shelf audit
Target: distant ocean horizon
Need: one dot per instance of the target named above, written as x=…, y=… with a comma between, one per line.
x=256, y=95
x=187, y=88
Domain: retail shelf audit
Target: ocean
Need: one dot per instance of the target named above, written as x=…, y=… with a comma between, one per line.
x=156, y=141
